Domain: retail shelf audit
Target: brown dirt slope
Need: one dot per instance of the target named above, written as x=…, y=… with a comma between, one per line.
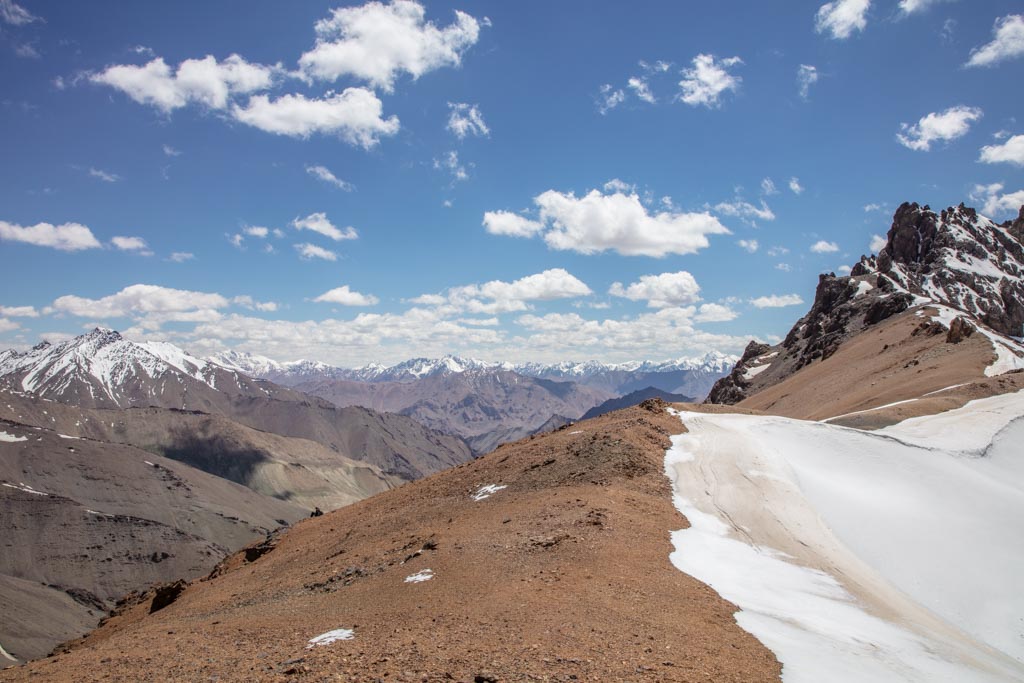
x=900, y=359
x=561, y=575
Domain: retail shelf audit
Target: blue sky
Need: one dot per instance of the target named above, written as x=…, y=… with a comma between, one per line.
x=513, y=181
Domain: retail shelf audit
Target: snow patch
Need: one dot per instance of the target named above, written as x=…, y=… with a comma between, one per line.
x=420, y=576
x=751, y=373
x=488, y=489
x=331, y=637
x=22, y=486
x=11, y=438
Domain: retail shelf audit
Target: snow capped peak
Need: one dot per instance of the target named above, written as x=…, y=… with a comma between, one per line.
x=101, y=360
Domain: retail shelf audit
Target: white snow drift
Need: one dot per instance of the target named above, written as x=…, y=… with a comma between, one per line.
x=886, y=556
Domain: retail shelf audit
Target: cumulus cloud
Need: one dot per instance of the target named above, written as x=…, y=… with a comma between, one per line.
x=715, y=313
x=660, y=291
x=465, y=119
x=778, y=251
x=376, y=42
x=246, y=301
x=355, y=115
x=768, y=187
x=309, y=251
x=844, y=270
x=749, y=245
x=324, y=174
x=777, y=301
x=343, y=296
x=103, y=175
x=878, y=243
x=609, y=98
x=14, y=14
x=136, y=244
x=498, y=296
x=745, y=210
x=1010, y=152
x=912, y=6
x=19, y=311
x=795, y=187
x=65, y=237
x=205, y=81
x=319, y=223
x=996, y=202
x=8, y=325
x=806, y=76
x=616, y=221
x=873, y=207
x=944, y=126
x=511, y=224
x=704, y=83
x=842, y=17
x=1007, y=42
x=139, y=300
x=823, y=247
x=257, y=231
x=784, y=267
x=181, y=256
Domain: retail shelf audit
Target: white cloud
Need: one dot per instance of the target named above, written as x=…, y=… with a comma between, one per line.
x=1010, y=152
x=912, y=6
x=318, y=222
x=344, y=296
x=660, y=291
x=205, y=81
x=878, y=243
x=65, y=237
x=104, y=176
x=844, y=270
x=750, y=245
x=795, y=187
x=138, y=300
x=641, y=88
x=609, y=98
x=376, y=42
x=466, y=119
x=1007, y=42
x=257, y=231
x=823, y=247
x=715, y=313
x=355, y=115
x=620, y=222
x=511, y=224
x=19, y=311
x=311, y=251
x=136, y=244
x=14, y=14
x=236, y=240
x=246, y=301
x=616, y=185
x=873, y=207
x=768, y=187
x=708, y=79
x=428, y=300
x=784, y=267
x=948, y=125
x=8, y=325
x=777, y=301
x=745, y=210
x=181, y=256
x=171, y=152
x=498, y=296
x=996, y=202
x=806, y=76
x=842, y=17
x=778, y=251
x=324, y=174
x=450, y=162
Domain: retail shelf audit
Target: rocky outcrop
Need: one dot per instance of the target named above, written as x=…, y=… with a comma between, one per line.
x=956, y=258
x=733, y=387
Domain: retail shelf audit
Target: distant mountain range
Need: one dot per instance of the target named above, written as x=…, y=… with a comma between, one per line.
x=486, y=403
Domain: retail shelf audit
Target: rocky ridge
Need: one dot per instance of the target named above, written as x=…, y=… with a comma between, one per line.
x=956, y=263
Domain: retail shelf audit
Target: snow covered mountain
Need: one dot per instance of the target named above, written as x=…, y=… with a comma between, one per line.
x=101, y=369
